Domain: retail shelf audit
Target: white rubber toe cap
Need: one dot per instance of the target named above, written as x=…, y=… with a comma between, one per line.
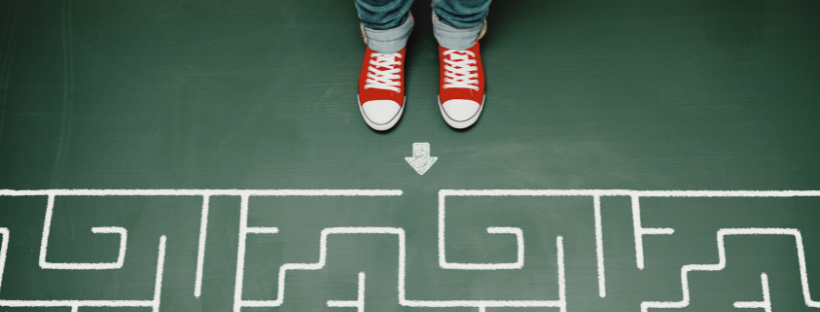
x=381, y=114
x=461, y=114
x=460, y=110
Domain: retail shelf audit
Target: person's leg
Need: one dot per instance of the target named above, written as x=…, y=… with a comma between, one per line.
x=386, y=24
x=459, y=23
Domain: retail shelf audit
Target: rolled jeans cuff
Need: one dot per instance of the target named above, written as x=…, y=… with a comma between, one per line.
x=453, y=38
x=388, y=40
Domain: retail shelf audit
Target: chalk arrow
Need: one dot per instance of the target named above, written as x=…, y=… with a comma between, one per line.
x=421, y=160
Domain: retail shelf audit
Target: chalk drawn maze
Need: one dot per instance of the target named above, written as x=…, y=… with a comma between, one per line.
x=559, y=299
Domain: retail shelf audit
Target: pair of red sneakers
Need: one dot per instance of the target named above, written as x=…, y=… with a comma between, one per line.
x=461, y=87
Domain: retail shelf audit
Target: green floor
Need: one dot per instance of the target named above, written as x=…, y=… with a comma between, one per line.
x=261, y=94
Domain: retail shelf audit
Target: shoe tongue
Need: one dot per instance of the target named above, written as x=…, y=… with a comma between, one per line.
x=459, y=55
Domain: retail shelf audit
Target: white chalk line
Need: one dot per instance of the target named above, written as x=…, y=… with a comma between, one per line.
x=244, y=229
x=766, y=304
x=365, y=192
x=75, y=304
x=158, y=278
x=672, y=193
x=123, y=233
x=205, y=193
x=442, y=253
x=640, y=231
x=4, y=248
x=203, y=228
x=442, y=243
x=200, y=253
x=599, y=247
x=519, y=239
x=261, y=230
x=722, y=264
x=200, y=192
x=518, y=264
x=280, y=297
x=240, y=254
x=358, y=303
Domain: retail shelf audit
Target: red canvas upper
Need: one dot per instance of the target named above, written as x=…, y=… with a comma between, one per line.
x=373, y=64
x=459, y=92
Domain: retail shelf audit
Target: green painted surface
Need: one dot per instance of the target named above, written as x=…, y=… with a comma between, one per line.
x=644, y=95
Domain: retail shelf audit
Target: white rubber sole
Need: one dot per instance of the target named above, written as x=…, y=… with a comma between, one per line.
x=385, y=126
x=455, y=124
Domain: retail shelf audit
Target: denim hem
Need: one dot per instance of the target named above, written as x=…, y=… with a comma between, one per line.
x=388, y=40
x=453, y=38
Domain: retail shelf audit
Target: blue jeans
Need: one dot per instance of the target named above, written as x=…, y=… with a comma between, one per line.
x=386, y=24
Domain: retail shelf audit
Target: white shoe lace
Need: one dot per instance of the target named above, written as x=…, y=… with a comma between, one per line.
x=457, y=70
x=386, y=79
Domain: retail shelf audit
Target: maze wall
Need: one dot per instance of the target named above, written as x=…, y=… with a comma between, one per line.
x=497, y=250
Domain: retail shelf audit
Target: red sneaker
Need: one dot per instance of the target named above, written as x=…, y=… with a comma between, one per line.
x=381, y=89
x=461, y=86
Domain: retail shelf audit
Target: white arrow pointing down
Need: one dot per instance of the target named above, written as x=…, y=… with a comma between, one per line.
x=421, y=160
